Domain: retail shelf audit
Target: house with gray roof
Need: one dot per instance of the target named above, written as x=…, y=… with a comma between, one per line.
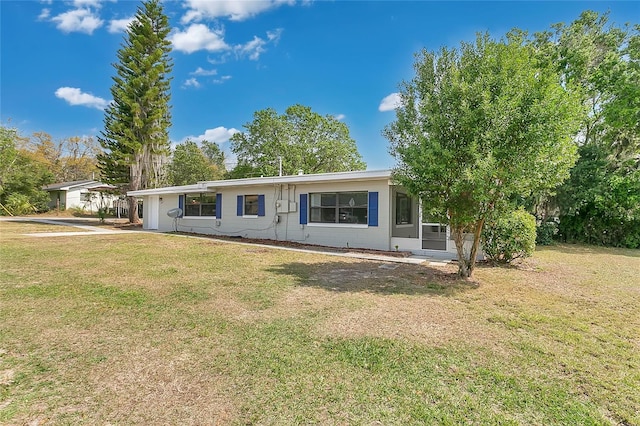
x=87, y=195
x=360, y=209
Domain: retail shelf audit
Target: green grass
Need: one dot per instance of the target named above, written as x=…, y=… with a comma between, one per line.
x=162, y=329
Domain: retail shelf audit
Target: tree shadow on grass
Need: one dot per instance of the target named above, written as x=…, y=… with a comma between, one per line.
x=376, y=277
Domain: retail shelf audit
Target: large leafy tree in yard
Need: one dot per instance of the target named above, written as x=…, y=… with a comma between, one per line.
x=189, y=164
x=477, y=127
x=135, y=136
x=302, y=139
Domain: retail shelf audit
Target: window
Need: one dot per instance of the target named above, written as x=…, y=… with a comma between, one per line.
x=339, y=207
x=403, y=209
x=251, y=205
x=200, y=204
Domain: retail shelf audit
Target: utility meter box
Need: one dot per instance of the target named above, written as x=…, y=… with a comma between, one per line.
x=282, y=206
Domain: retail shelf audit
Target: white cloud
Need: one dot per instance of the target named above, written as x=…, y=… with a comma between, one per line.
x=198, y=37
x=87, y=3
x=253, y=49
x=274, y=36
x=339, y=117
x=74, y=96
x=203, y=72
x=192, y=82
x=222, y=79
x=217, y=135
x=220, y=59
x=120, y=25
x=234, y=10
x=44, y=15
x=78, y=20
x=256, y=47
x=390, y=103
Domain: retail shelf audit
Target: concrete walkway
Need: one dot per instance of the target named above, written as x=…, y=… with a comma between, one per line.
x=95, y=230
x=88, y=229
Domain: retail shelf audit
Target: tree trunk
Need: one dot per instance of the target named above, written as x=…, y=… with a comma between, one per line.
x=133, y=210
x=135, y=184
x=475, y=245
x=464, y=270
x=467, y=259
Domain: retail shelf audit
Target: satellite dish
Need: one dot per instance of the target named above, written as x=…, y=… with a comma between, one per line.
x=177, y=212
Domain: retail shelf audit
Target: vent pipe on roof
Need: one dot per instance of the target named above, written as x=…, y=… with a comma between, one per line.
x=300, y=172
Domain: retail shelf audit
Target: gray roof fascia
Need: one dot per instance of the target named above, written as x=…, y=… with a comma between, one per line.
x=66, y=186
x=302, y=179
x=214, y=185
x=184, y=189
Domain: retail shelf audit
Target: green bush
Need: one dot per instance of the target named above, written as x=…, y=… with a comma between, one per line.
x=545, y=233
x=40, y=201
x=19, y=204
x=602, y=229
x=600, y=202
x=509, y=237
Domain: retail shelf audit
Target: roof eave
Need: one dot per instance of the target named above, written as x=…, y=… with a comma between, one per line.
x=210, y=186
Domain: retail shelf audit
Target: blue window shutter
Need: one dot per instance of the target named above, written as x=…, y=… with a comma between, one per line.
x=261, y=205
x=240, y=208
x=303, y=209
x=181, y=204
x=373, y=209
x=218, y=206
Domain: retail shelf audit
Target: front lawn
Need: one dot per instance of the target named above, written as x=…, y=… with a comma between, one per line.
x=163, y=329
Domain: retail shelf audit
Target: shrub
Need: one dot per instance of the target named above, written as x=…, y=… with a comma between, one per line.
x=509, y=237
x=40, y=201
x=545, y=232
x=602, y=229
x=18, y=204
x=102, y=213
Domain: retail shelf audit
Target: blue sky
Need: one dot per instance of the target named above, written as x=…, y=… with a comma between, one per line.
x=341, y=58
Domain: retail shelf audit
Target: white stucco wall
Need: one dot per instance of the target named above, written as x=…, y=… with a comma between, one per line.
x=73, y=199
x=285, y=226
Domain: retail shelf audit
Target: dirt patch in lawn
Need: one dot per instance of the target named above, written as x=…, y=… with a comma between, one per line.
x=372, y=299
x=414, y=302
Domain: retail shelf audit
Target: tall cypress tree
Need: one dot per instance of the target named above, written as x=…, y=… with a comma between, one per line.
x=135, y=138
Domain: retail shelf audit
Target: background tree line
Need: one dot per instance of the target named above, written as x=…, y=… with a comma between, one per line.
x=600, y=202
x=29, y=163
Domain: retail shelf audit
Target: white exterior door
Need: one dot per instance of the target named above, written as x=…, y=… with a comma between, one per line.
x=152, y=211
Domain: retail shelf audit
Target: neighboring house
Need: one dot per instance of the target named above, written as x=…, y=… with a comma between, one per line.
x=362, y=209
x=82, y=194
